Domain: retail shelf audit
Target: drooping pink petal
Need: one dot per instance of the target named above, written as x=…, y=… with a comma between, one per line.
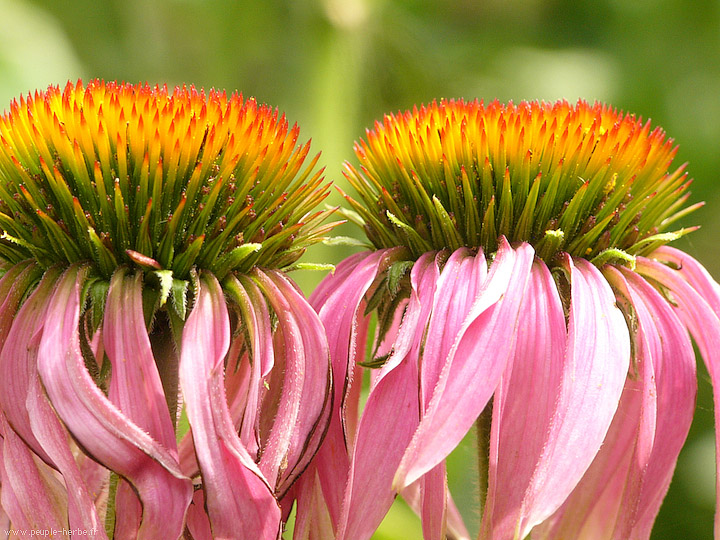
x=99, y=427
x=135, y=388
x=379, y=444
x=412, y=495
x=407, y=333
x=244, y=386
x=55, y=440
x=239, y=501
x=306, y=379
x=337, y=301
x=16, y=366
x=555, y=380
x=598, y=352
x=702, y=321
x=676, y=386
x=592, y=509
x=31, y=495
x=476, y=360
x=692, y=272
x=620, y=494
x=128, y=512
x=461, y=278
x=434, y=503
x=452, y=293
x=4, y=518
x=525, y=404
x=197, y=519
x=312, y=518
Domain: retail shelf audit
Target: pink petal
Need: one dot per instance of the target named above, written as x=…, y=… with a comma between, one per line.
x=458, y=285
x=525, y=404
x=312, y=520
x=558, y=403
x=434, y=503
x=128, y=512
x=692, y=272
x=408, y=330
x=675, y=383
x=31, y=495
x=197, y=519
x=245, y=385
x=379, y=444
x=702, y=321
x=102, y=430
x=598, y=353
x=301, y=412
x=378, y=449
x=621, y=492
x=413, y=496
x=476, y=360
x=135, y=386
x=54, y=438
x=239, y=500
x=337, y=301
x=17, y=328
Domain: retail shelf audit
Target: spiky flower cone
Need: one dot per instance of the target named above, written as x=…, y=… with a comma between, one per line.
x=519, y=280
x=144, y=238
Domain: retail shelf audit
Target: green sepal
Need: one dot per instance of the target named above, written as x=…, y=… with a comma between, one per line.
x=550, y=243
x=417, y=244
x=314, y=267
x=376, y=362
x=614, y=256
x=178, y=292
x=651, y=243
x=234, y=259
x=346, y=241
x=97, y=290
x=395, y=274
x=185, y=260
x=165, y=277
x=450, y=233
x=350, y=215
x=103, y=256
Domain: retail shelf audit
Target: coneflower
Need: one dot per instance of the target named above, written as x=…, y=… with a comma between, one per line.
x=520, y=282
x=144, y=238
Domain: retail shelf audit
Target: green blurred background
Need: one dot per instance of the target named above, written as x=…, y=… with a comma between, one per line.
x=334, y=66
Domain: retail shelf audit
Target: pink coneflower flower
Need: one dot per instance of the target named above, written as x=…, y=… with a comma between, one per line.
x=144, y=234
x=520, y=283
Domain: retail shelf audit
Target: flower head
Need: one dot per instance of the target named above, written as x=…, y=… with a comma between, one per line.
x=520, y=282
x=144, y=238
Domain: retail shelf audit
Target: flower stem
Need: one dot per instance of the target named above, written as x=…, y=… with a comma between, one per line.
x=166, y=356
x=482, y=426
x=110, y=514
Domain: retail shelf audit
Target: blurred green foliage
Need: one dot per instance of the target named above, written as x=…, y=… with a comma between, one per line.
x=335, y=66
